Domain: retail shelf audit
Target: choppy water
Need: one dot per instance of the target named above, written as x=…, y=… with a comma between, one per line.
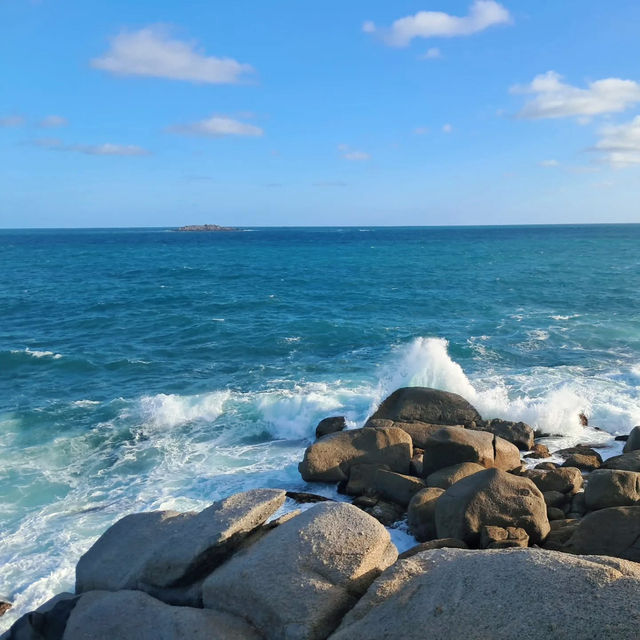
x=145, y=369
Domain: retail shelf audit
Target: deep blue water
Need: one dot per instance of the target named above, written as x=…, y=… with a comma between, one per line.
x=146, y=368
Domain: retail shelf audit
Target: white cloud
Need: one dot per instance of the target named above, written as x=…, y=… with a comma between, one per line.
x=11, y=121
x=106, y=149
x=556, y=99
x=218, y=127
x=421, y=131
x=152, y=52
x=51, y=122
x=352, y=154
x=447, y=128
x=431, y=54
x=620, y=144
x=429, y=24
x=549, y=163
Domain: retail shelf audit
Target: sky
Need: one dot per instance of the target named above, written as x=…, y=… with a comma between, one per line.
x=366, y=112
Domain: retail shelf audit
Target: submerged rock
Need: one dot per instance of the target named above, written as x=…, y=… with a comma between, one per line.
x=422, y=404
x=535, y=594
x=299, y=580
x=168, y=550
x=330, y=458
x=491, y=498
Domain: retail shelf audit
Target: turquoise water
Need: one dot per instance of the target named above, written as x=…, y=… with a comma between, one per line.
x=148, y=369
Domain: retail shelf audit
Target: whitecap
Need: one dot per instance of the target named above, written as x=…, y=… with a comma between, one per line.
x=39, y=354
x=172, y=410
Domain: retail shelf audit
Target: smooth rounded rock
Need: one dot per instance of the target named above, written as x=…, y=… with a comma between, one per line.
x=299, y=580
x=491, y=498
x=532, y=594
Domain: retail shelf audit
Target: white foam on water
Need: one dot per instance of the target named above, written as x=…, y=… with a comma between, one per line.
x=165, y=411
x=85, y=403
x=549, y=399
x=39, y=354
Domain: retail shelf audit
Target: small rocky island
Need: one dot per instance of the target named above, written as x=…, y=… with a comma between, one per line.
x=205, y=227
x=510, y=544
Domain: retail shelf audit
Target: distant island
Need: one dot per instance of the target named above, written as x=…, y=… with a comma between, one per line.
x=205, y=227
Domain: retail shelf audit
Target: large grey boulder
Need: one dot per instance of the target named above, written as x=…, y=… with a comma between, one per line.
x=614, y=531
x=518, y=433
x=633, y=441
x=330, y=458
x=165, y=550
x=421, y=514
x=612, y=488
x=452, y=445
x=298, y=581
x=491, y=498
x=134, y=615
x=626, y=462
x=535, y=594
x=422, y=404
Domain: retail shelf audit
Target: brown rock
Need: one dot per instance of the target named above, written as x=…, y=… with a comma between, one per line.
x=503, y=537
x=396, y=487
x=330, y=425
x=626, y=462
x=561, y=531
x=633, y=441
x=444, y=478
x=518, y=433
x=491, y=498
x=546, y=466
x=539, y=451
x=421, y=404
x=452, y=445
x=612, y=488
x=614, y=531
x=330, y=458
x=441, y=543
x=564, y=480
x=361, y=479
x=422, y=512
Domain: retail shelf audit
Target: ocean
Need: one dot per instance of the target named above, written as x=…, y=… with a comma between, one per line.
x=148, y=369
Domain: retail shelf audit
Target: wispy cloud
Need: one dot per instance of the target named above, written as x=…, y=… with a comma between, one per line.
x=52, y=122
x=431, y=54
x=549, y=163
x=447, y=128
x=12, y=121
x=152, y=52
x=620, y=144
x=352, y=154
x=429, y=24
x=553, y=98
x=421, y=131
x=218, y=127
x=105, y=149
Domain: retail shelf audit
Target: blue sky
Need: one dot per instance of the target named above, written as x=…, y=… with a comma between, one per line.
x=329, y=113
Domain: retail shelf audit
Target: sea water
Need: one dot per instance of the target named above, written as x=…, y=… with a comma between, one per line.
x=148, y=369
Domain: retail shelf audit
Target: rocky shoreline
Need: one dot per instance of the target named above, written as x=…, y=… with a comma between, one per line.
x=509, y=544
